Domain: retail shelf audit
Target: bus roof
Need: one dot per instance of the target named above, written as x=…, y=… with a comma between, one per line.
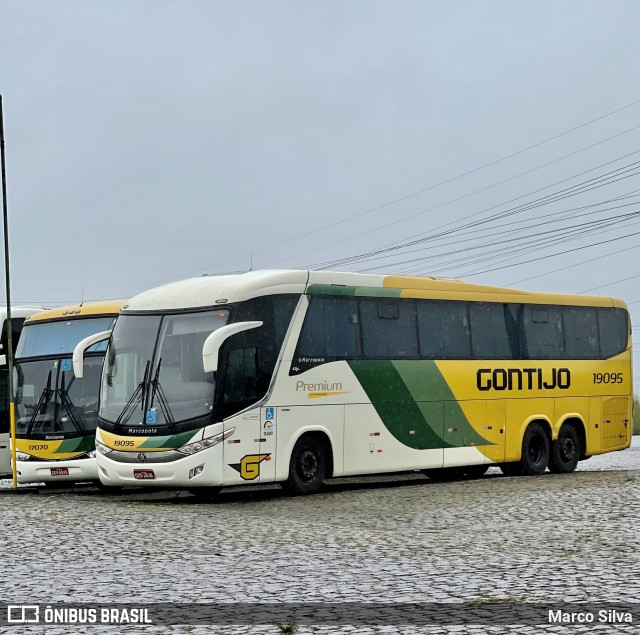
x=208, y=291
x=20, y=311
x=73, y=311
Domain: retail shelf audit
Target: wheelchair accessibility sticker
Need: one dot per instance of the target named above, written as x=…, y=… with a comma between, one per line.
x=269, y=421
x=152, y=417
x=66, y=365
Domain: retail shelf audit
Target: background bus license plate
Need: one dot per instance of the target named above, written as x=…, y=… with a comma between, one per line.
x=143, y=474
x=59, y=471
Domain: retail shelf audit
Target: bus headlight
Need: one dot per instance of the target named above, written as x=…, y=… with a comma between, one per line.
x=91, y=455
x=102, y=448
x=22, y=456
x=203, y=444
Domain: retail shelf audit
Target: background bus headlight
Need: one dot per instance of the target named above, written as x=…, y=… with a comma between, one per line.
x=22, y=456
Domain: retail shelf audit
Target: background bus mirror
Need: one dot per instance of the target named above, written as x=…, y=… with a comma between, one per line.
x=3, y=360
x=82, y=346
x=211, y=347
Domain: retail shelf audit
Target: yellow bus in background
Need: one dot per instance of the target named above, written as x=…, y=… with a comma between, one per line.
x=298, y=376
x=18, y=316
x=57, y=412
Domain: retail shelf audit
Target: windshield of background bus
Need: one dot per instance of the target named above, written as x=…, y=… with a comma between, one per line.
x=49, y=399
x=60, y=338
x=176, y=388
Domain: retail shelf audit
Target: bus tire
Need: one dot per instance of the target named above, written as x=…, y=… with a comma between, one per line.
x=535, y=450
x=565, y=452
x=307, y=467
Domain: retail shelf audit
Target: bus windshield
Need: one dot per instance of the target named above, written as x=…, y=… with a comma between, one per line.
x=61, y=337
x=50, y=400
x=154, y=373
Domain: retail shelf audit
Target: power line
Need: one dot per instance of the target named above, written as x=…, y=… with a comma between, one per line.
x=578, y=188
x=353, y=217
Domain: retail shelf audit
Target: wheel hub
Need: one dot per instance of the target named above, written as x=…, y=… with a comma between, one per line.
x=308, y=465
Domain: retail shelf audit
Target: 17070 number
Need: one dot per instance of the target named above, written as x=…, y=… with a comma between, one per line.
x=607, y=378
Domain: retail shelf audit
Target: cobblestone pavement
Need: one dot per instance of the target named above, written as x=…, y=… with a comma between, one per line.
x=548, y=539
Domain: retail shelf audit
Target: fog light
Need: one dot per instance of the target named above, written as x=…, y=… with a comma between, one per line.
x=196, y=470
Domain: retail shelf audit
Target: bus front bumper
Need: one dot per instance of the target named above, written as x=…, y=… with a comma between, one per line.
x=203, y=469
x=69, y=471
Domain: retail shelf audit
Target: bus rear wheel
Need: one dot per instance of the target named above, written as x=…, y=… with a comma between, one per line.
x=565, y=452
x=535, y=450
x=307, y=467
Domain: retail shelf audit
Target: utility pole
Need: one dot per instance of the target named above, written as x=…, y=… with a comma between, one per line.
x=12, y=415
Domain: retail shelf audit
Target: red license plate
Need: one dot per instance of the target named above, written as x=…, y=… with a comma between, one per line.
x=143, y=475
x=59, y=471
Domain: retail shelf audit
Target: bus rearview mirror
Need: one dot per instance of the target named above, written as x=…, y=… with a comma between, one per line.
x=82, y=346
x=213, y=343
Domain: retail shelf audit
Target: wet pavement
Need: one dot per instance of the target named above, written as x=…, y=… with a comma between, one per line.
x=492, y=541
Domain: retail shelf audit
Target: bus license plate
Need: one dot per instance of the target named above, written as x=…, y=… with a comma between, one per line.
x=143, y=475
x=59, y=471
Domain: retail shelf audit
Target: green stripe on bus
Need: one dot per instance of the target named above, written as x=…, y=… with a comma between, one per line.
x=415, y=425
x=427, y=384
x=79, y=444
x=172, y=441
x=333, y=289
x=415, y=404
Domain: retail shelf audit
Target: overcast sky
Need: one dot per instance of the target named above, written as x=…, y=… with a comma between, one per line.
x=153, y=140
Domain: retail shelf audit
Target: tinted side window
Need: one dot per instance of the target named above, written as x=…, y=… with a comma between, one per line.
x=493, y=330
x=541, y=332
x=388, y=328
x=16, y=329
x=580, y=332
x=613, y=327
x=250, y=356
x=444, y=330
x=330, y=329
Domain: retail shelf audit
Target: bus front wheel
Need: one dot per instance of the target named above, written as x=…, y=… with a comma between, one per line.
x=307, y=467
x=535, y=450
x=565, y=452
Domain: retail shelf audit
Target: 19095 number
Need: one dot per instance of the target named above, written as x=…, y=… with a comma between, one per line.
x=607, y=378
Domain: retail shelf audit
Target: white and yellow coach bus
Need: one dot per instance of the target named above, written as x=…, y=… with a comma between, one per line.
x=18, y=316
x=57, y=412
x=297, y=376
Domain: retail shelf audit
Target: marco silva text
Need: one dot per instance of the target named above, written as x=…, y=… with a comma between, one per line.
x=608, y=616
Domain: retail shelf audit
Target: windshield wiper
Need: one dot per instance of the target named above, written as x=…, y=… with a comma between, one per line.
x=43, y=401
x=65, y=400
x=129, y=407
x=162, y=399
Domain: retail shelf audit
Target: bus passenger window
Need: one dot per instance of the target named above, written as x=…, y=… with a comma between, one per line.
x=388, y=328
x=580, y=332
x=613, y=325
x=330, y=329
x=541, y=332
x=444, y=329
x=493, y=330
